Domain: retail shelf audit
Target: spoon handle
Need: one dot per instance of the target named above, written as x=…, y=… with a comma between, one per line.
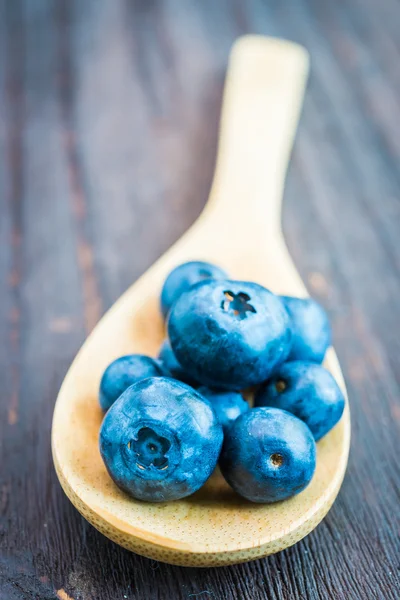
x=262, y=100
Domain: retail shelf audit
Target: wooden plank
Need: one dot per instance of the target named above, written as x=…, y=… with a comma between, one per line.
x=46, y=323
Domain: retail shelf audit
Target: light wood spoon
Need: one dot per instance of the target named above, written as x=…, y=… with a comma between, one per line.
x=239, y=230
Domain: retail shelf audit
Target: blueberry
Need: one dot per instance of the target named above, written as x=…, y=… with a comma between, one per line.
x=308, y=391
x=229, y=334
x=168, y=359
x=183, y=277
x=126, y=371
x=161, y=440
x=310, y=327
x=228, y=406
x=268, y=455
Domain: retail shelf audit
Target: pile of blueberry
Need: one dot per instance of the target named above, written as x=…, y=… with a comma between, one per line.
x=170, y=420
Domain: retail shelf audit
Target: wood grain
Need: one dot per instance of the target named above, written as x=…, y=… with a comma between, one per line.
x=145, y=83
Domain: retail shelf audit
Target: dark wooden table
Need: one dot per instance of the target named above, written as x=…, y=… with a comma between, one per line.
x=108, y=125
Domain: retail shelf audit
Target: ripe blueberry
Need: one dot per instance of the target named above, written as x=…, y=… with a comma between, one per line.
x=308, y=391
x=311, y=331
x=126, y=371
x=161, y=440
x=183, y=277
x=228, y=406
x=268, y=455
x=229, y=334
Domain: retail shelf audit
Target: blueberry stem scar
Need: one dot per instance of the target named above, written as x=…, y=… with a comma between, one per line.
x=276, y=459
x=280, y=386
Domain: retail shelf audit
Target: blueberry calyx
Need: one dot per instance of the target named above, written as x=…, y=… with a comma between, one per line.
x=150, y=449
x=238, y=303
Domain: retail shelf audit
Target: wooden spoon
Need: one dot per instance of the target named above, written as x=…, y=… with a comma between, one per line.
x=239, y=230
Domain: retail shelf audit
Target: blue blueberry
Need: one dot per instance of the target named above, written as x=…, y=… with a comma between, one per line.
x=228, y=406
x=161, y=440
x=268, y=455
x=308, y=391
x=168, y=359
x=183, y=277
x=229, y=334
x=310, y=328
x=126, y=371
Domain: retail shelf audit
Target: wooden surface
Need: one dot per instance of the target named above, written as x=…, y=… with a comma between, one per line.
x=108, y=132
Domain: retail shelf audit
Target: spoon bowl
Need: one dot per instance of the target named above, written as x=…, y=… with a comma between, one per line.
x=240, y=231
